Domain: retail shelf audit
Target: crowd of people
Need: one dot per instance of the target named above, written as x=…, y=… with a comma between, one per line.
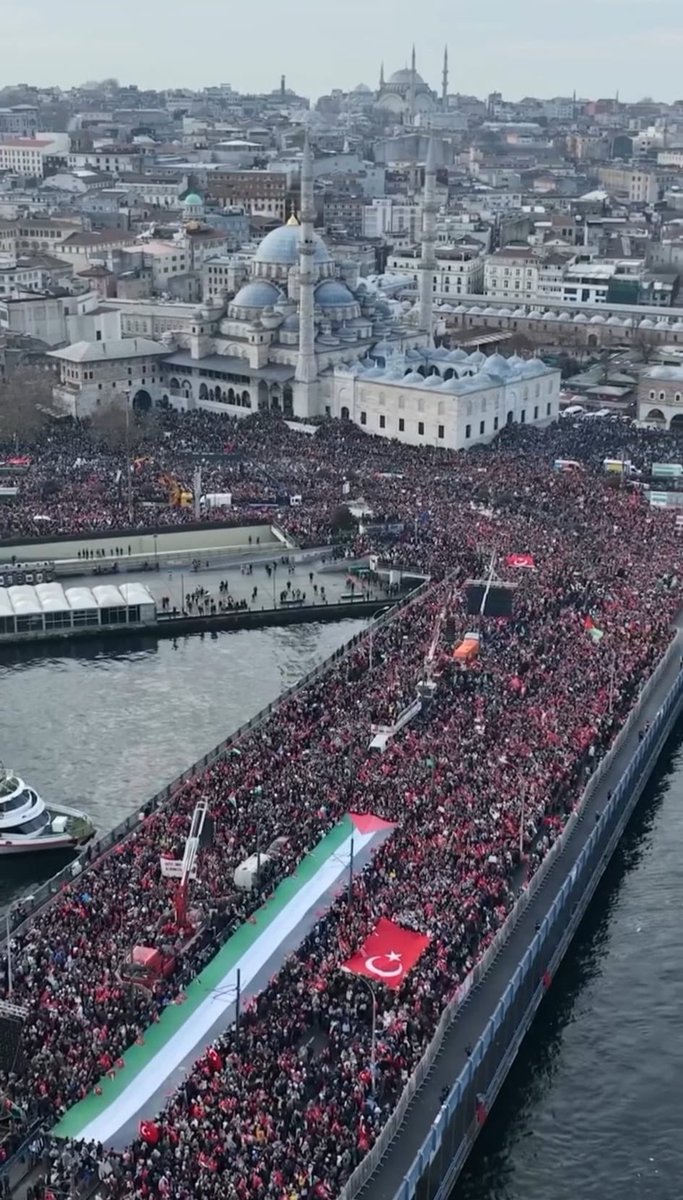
x=287, y=1110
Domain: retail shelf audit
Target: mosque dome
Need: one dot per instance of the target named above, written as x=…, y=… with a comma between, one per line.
x=404, y=78
x=192, y=200
x=279, y=251
x=332, y=293
x=257, y=294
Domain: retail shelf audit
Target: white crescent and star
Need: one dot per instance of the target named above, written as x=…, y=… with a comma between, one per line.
x=382, y=973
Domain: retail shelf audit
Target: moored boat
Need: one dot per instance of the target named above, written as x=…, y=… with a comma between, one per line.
x=29, y=826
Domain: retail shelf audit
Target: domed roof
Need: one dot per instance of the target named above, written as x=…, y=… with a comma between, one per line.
x=281, y=247
x=291, y=323
x=332, y=293
x=497, y=365
x=259, y=293
x=192, y=200
x=405, y=76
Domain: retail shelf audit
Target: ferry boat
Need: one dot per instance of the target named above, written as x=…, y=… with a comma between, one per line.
x=28, y=825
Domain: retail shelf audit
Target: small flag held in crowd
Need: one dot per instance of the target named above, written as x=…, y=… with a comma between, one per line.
x=520, y=560
x=592, y=630
x=388, y=954
x=149, y=1132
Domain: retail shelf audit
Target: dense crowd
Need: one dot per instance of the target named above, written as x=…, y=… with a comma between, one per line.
x=286, y=1112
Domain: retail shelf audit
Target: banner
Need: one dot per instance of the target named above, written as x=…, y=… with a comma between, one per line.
x=388, y=954
x=172, y=868
x=520, y=560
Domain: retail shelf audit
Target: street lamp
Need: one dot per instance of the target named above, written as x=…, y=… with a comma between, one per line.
x=128, y=470
x=373, y=1036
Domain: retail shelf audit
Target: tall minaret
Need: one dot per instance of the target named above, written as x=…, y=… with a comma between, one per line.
x=381, y=78
x=413, y=89
x=444, y=81
x=428, y=260
x=306, y=374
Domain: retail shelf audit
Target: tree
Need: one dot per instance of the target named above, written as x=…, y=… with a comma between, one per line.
x=25, y=404
x=112, y=428
x=343, y=520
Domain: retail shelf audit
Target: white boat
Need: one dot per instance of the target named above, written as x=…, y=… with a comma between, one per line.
x=28, y=825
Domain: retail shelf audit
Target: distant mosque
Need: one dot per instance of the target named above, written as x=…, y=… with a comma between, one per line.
x=405, y=94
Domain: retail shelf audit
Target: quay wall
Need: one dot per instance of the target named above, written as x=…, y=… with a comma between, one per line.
x=163, y=542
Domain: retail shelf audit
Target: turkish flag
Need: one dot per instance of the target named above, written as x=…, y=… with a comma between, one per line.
x=149, y=1132
x=520, y=560
x=215, y=1059
x=388, y=954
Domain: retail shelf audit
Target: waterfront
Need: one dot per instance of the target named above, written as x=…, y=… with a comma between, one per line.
x=590, y=1107
x=105, y=727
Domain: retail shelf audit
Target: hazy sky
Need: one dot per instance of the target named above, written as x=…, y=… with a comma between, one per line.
x=520, y=47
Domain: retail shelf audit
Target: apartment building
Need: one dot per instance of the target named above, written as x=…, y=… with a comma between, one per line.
x=512, y=274
x=260, y=193
x=634, y=184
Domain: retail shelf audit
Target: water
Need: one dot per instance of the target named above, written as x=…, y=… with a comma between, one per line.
x=591, y=1107
x=104, y=728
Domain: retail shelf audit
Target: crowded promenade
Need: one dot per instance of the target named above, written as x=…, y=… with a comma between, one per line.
x=288, y=1109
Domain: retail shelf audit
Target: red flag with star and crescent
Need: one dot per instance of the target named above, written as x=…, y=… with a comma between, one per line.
x=388, y=954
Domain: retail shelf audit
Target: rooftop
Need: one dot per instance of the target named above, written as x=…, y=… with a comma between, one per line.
x=109, y=351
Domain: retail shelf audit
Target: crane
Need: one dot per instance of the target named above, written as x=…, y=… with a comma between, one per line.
x=192, y=846
x=426, y=686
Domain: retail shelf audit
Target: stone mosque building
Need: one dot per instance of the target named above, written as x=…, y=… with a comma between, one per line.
x=305, y=336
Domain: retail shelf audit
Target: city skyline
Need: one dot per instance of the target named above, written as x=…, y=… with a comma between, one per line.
x=531, y=48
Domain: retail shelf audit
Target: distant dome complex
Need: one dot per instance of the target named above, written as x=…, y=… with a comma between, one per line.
x=405, y=94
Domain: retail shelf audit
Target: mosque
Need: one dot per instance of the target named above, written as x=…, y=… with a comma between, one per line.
x=305, y=336
x=405, y=93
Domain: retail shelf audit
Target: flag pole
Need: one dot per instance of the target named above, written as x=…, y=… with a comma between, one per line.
x=521, y=827
x=351, y=873
x=373, y=1039
x=238, y=996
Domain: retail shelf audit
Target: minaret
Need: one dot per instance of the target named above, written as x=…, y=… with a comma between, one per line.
x=306, y=375
x=428, y=259
x=411, y=98
x=444, y=81
x=381, y=78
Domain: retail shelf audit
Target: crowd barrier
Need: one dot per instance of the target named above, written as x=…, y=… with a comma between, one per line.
x=27, y=906
x=471, y=1083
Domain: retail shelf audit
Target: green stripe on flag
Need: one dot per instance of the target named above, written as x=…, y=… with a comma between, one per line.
x=175, y=1015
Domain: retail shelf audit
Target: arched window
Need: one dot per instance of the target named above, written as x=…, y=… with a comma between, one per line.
x=203, y=392
x=344, y=414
